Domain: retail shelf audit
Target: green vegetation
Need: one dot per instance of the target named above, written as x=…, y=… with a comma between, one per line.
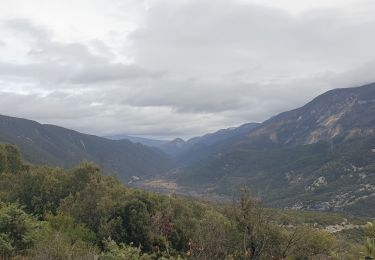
x=329, y=176
x=50, y=213
x=55, y=146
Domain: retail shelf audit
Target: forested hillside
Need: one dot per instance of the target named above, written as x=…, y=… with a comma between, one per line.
x=57, y=146
x=50, y=213
x=320, y=157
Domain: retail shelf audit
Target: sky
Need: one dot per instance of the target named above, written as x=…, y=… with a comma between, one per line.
x=177, y=68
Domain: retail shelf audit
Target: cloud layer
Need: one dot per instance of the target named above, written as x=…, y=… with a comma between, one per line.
x=177, y=68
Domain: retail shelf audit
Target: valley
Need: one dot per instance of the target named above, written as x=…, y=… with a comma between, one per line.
x=317, y=157
x=299, y=185
x=187, y=130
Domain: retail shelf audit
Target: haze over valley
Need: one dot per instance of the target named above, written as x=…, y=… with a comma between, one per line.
x=192, y=129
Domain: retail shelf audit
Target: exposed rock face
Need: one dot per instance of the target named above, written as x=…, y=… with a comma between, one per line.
x=340, y=112
x=321, y=181
x=319, y=156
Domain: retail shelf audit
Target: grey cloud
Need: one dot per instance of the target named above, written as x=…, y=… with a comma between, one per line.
x=56, y=63
x=55, y=73
x=23, y=25
x=183, y=96
x=210, y=37
x=247, y=59
x=112, y=72
x=45, y=49
x=196, y=66
x=83, y=113
x=102, y=48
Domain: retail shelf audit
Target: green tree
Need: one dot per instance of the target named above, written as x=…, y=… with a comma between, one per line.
x=313, y=243
x=40, y=189
x=18, y=230
x=114, y=251
x=254, y=224
x=57, y=245
x=214, y=237
x=74, y=231
x=10, y=159
x=14, y=162
x=95, y=203
x=136, y=222
x=370, y=241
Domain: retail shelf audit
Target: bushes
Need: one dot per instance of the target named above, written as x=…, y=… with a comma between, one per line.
x=82, y=214
x=59, y=245
x=370, y=241
x=113, y=251
x=18, y=230
x=10, y=159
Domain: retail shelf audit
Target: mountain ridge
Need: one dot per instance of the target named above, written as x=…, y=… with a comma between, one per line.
x=58, y=146
x=319, y=156
x=138, y=139
x=347, y=103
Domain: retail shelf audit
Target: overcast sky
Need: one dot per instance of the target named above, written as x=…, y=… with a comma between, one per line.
x=177, y=68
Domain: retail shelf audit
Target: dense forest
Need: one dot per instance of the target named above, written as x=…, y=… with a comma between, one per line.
x=52, y=213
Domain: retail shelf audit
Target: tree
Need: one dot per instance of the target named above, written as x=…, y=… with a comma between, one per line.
x=136, y=222
x=370, y=230
x=40, y=189
x=214, y=237
x=18, y=230
x=82, y=175
x=58, y=245
x=114, y=251
x=95, y=203
x=14, y=162
x=313, y=243
x=254, y=224
x=370, y=241
x=74, y=231
x=162, y=228
x=10, y=159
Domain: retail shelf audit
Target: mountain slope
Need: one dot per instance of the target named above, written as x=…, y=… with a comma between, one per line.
x=137, y=139
x=347, y=112
x=57, y=146
x=202, y=146
x=320, y=156
x=209, y=144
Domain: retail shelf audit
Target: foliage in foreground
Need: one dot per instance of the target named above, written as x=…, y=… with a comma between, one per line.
x=50, y=213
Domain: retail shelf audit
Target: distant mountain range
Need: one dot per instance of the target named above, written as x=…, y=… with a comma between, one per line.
x=137, y=139
x=198, y=148
x=57, y=146
x=320, y=156
x=184, y=150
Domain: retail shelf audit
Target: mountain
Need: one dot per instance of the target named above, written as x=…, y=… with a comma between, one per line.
x=137, y=139
x=320, y=156
x=347, y=112
x=223, y=134
x=57, y=146
x=199, y=147
x=175, y=147
x=202, y=147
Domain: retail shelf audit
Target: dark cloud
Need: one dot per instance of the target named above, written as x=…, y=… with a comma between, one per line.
x=112, y=72
x=74, y=63
x=23, y=25
x=210, y=37
x=189, y=67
